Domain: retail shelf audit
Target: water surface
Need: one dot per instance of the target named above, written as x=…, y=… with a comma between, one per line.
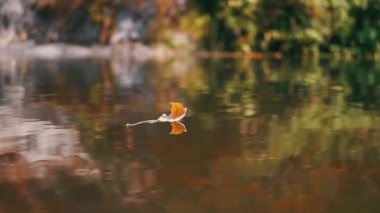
x=263, y=136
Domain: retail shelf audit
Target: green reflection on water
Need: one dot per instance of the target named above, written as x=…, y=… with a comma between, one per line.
x=270, y=136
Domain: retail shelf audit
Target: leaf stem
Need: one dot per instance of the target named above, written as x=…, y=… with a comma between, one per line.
x=142, y=122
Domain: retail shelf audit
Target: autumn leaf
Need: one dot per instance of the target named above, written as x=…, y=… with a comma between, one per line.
x=177, y=128
x=177, y=112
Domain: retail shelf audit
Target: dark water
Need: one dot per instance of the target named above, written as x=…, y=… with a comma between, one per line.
x=262, y=136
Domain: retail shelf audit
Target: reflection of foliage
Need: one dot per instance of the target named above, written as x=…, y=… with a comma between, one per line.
x=341, y=134
x=242, y=85
x=328, y=117
x=310, y=142
x=308, y=133
x=173, y=77
x=237, y=94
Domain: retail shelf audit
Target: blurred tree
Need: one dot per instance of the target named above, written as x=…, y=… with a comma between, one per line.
x=293, y=26
x=364, y=33
x=102, y=12
x=344, y=27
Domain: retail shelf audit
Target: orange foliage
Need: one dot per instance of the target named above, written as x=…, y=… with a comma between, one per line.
x=177, y=110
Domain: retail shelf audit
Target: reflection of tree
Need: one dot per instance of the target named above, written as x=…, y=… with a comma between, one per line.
x=302, y=149
x=323, y=145
x=268, y=135
x=237, y=94
x=42, y=166
x=88, y=102
x=177, y=80
x=321, y=112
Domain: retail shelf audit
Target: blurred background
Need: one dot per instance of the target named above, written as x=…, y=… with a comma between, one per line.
x=283, y=103
x=307, y=27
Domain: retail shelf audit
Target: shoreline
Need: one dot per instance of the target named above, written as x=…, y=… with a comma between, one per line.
x=142, y=52
x=53, y=51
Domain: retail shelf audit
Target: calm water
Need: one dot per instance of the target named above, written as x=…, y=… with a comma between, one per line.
x=262, y=136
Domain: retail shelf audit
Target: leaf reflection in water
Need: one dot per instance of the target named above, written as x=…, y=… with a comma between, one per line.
x=177, y=112
x=177, y=128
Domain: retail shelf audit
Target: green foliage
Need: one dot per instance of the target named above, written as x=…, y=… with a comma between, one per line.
x=291, y=26
x=230, y=23
x=365, y=31
x=344, y=28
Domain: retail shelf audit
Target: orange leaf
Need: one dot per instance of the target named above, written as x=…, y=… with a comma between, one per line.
x=177, y=128
x=177, y=110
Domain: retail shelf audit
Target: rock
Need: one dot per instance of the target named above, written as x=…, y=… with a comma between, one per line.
x=55, y=51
